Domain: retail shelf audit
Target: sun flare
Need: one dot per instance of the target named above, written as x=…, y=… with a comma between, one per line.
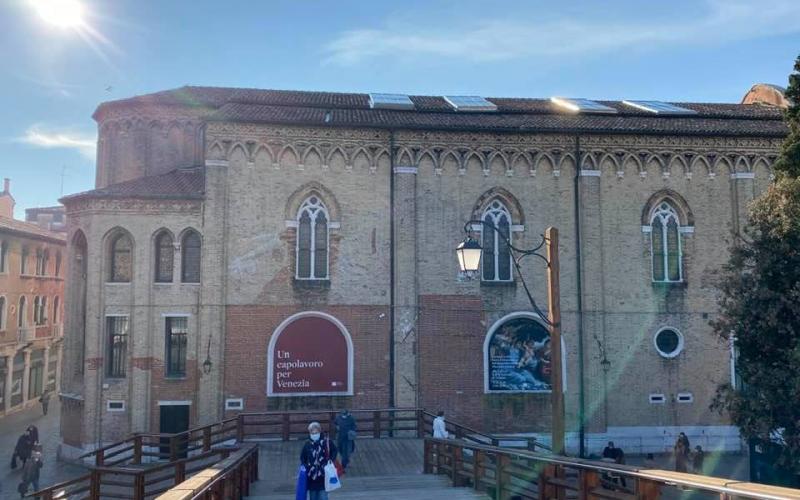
x=60, y=13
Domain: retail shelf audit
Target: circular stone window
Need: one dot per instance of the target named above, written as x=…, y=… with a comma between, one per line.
x=669, y=342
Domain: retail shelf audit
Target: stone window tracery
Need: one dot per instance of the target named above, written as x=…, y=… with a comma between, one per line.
x=190, y=257
x=165, y=253
x=496, y=257
x=665, y=243
x=312, y=240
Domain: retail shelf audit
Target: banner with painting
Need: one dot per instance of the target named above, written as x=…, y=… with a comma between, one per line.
x=519, y=357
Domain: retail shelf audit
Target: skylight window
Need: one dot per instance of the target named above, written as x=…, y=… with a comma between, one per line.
x=390, y=101
x=660, y=108
x=469, y=103
x=579, y=105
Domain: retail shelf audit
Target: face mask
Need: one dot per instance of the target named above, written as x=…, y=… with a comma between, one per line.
x=314, y=436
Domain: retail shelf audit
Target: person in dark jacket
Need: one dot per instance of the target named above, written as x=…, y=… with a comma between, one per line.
x=346, y=428
x=318, y=450
x=23, y=449
x=33, y=431
x=30, y=473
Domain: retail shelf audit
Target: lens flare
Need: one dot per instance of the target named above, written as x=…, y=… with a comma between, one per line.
x=60, y=13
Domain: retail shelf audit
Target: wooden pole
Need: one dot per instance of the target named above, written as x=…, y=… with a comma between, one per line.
x=554, y=311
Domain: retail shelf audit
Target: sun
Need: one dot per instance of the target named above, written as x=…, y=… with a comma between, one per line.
x=60, y=13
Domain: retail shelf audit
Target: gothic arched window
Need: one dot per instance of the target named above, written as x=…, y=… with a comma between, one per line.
x=165, y=253
x=665, y=242
x=121, y=259
x=190, y=257
x=21, y=319
x=496, y=265
x=312, y=240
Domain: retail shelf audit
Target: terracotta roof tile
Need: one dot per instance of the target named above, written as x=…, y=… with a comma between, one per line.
x=27, y=229
x=184, y=183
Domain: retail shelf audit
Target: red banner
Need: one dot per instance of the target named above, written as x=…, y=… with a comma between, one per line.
x=310, y=357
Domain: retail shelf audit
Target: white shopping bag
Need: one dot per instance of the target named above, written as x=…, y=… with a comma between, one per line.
x=331, y=478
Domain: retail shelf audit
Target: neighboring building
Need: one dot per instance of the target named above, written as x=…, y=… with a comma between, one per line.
x=31, y=309
x=50, y=218
x=250, y=250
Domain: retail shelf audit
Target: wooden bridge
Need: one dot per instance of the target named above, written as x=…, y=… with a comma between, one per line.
x=256, y=455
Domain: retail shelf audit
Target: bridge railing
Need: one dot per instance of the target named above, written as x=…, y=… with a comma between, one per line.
x=506, y=473
x=139, y=483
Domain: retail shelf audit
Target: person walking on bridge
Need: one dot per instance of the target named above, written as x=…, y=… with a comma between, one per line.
x=439, y=427
x=346, y=428
x=317, y=452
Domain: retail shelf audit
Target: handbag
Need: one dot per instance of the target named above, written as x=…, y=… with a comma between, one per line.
x=302, y=484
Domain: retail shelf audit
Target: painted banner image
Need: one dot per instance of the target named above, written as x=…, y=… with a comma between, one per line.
x=519, y=357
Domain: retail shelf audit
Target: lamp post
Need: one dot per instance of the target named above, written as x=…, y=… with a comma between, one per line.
x=469, y=254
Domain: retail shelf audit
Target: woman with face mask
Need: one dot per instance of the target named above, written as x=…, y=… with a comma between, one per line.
x=317, y=452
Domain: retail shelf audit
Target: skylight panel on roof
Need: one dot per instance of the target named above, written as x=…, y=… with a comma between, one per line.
x=580, y=105
x=390, y=101
x=469, y=103
x=660, y=108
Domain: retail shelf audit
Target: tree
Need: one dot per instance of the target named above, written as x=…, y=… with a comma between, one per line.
x=760, y=306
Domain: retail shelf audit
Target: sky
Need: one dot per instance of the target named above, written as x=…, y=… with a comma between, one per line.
x=52, y=78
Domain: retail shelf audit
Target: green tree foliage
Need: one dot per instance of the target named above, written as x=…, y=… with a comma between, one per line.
x=760, y=306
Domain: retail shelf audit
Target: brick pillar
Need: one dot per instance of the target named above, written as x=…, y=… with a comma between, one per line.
x=742, y=193
x=593, y=284
x=26, y=377
x=9, y=382
x=404, y=216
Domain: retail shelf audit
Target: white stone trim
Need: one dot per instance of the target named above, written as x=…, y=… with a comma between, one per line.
x=488, y=338
x=334, y=225
x=647, y=229
x=743, y=175
x=176, y=315
x=406, y=170
x=686, y=229
x=515, y=228
x=174, y=403
x=589, y=173
x=291, y=223
x=234, y=404
x=657, y=399
x=274, y=340
x=677, y=350
x=684, y=398
x=217, y=163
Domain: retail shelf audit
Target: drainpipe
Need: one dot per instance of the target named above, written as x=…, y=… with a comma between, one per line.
x=391, y=270
x=579, y=284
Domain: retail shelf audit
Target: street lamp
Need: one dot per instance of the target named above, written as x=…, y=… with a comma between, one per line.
x=469, y=256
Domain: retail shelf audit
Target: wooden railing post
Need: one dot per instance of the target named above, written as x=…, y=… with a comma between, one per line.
x=545, y=488
x=94, y=485
x=137, y=449
x=207, y=439
x=588, y=480
x=459, y=432
x=561, y=492
x=287, y=427
x=239, y=428
x=420, y=424
x=648, y=490
x=427, y=462
x=376, y=424
x=99, y=457
x=438, y=450
x=478, y=458
x=173, y=448
x=503, y=462
x=180, y=472
x=138, y=486
x=456, y=463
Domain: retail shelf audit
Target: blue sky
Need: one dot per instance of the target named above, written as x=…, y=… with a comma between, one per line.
x=52, y=79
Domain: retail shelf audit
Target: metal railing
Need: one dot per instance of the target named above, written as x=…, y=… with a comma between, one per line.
x=506, y=473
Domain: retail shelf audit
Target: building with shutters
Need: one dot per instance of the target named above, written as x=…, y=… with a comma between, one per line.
x=31, y=309
x=250, y=250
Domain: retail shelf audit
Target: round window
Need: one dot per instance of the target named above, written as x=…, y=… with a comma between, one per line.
x=669, y=342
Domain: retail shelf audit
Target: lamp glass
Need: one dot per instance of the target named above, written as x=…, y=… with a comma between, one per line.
x=469, y=255
x=207, y=366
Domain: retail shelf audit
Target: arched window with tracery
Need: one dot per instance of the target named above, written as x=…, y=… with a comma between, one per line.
x=190, y=257
x=665, y=242
x=165, y=256
x=22, y=321
x=312, y=240
x=121, y=265
x=496, y=256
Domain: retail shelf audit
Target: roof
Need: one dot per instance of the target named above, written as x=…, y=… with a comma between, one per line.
x=182, y=183
x=332, y=109
x=26, y=229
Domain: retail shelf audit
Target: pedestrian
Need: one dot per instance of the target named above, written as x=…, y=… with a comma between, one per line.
x=697, y=459
x=34, y=434
x=22, y=450
x=346, y=428
x=45, y=400
x=30, y=473
x=680, y=455
x=439, y=426
x=317, y=452
x=610, y=451
x=650, y=461
x=686, y=444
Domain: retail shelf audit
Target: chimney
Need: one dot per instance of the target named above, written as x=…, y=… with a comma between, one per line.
x=6, y=200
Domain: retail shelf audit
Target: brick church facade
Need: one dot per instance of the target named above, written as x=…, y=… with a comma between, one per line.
x=252, y=250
